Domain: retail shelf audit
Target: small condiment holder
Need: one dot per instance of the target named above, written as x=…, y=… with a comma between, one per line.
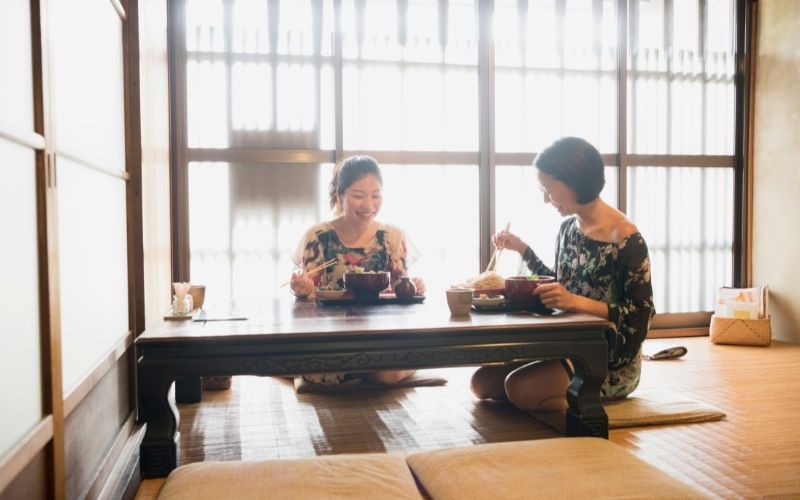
x=182, y=301
x=182, y=304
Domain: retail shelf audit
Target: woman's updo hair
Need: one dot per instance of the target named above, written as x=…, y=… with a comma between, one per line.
x=349, y=171
x=577, y=164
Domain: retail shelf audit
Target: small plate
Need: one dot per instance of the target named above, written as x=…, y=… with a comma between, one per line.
x=331, y=294
x=491, y=292
x=492, y=300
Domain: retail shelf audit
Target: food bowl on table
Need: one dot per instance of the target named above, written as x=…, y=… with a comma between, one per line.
x=366, y=285
x=489, y=292
x=487, y=283
x=331, y=293
x=519, y=289
x=485, y=300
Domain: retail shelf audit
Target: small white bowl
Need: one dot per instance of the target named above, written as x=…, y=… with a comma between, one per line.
x=330, y=294
x=495, y=300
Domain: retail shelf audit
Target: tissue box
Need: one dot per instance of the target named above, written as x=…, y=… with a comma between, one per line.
x=757, y=332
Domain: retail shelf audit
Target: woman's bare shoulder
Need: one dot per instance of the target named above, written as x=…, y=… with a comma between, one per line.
x=623, y=228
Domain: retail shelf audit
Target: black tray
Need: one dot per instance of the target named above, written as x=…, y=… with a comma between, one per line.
x=505, y=307
x=381, y=300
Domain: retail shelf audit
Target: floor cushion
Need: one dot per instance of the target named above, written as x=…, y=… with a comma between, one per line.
x=546, y=468
x=323, y=477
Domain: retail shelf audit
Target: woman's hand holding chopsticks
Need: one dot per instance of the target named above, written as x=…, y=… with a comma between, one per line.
x=506, y=239
x=499, y=245
x=302, y=283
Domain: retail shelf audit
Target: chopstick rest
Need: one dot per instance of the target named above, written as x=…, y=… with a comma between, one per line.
x=673, y=352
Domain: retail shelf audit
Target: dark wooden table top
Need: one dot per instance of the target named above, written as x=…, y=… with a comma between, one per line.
x=299, y=319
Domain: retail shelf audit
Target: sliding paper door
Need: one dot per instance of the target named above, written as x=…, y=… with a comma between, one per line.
x=20, y=369
x=88, y=118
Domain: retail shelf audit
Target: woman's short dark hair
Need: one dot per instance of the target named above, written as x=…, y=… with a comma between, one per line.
x=577, y=164
x=349, y=171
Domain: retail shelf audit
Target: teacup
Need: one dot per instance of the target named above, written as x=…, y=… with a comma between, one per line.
x=459, y=300
x=198, y=293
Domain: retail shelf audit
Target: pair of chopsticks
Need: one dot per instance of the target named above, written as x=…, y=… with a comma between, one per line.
x=316, y=269
x=496, y=254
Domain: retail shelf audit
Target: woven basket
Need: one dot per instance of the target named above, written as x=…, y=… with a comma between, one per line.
x=756, y=332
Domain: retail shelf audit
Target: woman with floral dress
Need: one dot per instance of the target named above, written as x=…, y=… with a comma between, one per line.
x=601, y=268
x=356, y=240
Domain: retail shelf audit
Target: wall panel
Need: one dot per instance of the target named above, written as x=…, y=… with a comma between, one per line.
x=90, y=430
x=776, y=177
x=31, y=483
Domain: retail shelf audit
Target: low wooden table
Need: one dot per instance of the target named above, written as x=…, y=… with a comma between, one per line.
x=295, y=337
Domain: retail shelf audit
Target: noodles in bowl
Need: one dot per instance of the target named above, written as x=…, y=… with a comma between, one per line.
x=488, y=282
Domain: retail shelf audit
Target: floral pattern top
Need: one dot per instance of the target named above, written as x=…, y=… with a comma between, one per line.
x=617, y=274
x=389, y=251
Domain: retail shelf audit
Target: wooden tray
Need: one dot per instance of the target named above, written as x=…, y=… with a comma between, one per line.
x=506, y=307
x=387, y=298
x=170, y=316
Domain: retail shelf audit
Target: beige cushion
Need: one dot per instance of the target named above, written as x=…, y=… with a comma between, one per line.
x=653, y=407
x=546, y=468
x=337, y=476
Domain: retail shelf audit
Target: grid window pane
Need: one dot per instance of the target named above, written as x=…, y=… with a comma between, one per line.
x=681, y=78
x=260, y=74
x=686, y=217
x=545, y=90
x=437, y=206
x=246, y=222
x=410, y=79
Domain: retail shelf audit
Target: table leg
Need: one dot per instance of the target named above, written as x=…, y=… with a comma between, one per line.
x=585, y=415
x=188, y=390
x=159, y=448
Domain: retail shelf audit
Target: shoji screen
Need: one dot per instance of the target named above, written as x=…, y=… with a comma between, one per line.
x=20, y=369
x=88, y=119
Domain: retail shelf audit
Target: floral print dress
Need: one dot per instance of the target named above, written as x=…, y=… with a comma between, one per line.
x=617, y=274
x=389, y=251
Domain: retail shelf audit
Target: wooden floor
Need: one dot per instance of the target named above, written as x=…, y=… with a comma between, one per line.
x=755, y=452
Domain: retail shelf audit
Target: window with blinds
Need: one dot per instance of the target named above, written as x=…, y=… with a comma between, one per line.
x=454, y=98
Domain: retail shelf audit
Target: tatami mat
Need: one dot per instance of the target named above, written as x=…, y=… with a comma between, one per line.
x=647, y=407
x=753, y=452
x=420, y=378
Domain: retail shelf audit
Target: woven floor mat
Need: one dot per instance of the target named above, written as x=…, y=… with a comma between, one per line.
x=418, y=379
x=647, y=408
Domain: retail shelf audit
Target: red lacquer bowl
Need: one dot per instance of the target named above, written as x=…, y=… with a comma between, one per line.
x=366, y=285
x=519, y=289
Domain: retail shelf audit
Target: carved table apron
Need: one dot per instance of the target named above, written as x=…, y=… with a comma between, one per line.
x=292, y=338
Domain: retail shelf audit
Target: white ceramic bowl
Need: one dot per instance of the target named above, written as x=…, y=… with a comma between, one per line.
x=494, y=300
x=330, y=294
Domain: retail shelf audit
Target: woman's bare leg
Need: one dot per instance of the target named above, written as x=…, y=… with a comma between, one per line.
x=488, y=381
x=539, y=387
x=390, y=377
